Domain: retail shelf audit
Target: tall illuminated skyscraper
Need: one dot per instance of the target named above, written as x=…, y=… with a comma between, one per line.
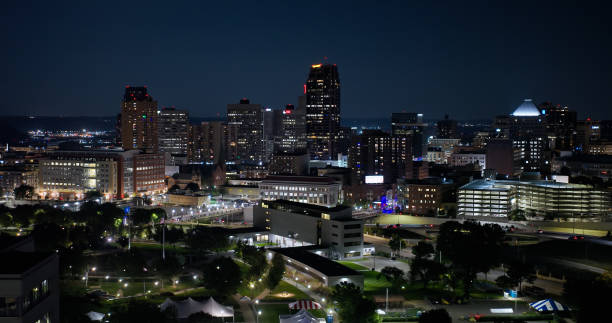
x=138, y=120
x=173, y=131
x=248, y=119
x=322, y=91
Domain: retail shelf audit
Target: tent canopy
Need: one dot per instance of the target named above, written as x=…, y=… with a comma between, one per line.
x=190, y=306
x=548, y=305
x=304, y=304
x=95, y=316
x=300, y=317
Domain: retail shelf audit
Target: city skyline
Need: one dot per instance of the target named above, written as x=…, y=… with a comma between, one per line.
x=392, y=57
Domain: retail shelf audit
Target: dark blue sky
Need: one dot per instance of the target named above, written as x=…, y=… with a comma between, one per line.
x=470, y=59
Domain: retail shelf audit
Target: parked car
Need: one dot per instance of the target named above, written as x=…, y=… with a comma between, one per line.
x=576, y=237
x=540, y=231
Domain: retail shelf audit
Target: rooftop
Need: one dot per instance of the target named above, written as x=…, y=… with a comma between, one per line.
x=21, y=262
x=304, y=179
x=526, y=109
x=503, y=185
x=324, y=265
x=308, y=209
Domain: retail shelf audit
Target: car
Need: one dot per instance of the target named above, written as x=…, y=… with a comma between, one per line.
x=540, y=231
x=435, y=300
x=576, y=237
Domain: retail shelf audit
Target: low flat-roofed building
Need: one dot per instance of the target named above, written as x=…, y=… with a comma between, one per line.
x=29, y=283
x=327, y=271
x=539, y=198
x=187, y=199
x=324, y=191
x=332, y=228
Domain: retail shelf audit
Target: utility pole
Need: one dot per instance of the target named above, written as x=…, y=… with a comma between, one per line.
x=163, y=239
x=387, y=300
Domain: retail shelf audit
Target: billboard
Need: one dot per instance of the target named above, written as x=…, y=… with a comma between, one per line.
x=374, y=179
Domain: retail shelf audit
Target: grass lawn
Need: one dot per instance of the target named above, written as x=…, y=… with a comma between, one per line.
x=270, y=312
x=286, y=287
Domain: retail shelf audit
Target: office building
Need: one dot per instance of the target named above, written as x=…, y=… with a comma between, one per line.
x=463, y=156
x=207, y=142
x=139, y=120
x=544, y=199
x=502, y=157
x=323, y=191
x=173, y=131
x=526, y=127
x=560, y=125
x=29, y=283
x=410, y=125
x=12, y=177
x=422, y=197
x=70, y=174
x=289, y=164
x=331, y=228
x=292, y=135
x=322, y=110
x=246, y=142
x=375, y=152
x=447, y=128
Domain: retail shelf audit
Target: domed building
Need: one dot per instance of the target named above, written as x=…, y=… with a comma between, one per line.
x=526, y=109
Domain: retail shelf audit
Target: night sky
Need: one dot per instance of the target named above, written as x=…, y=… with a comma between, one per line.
x=470, y=59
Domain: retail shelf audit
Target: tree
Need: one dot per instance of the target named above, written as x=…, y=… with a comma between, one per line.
x=194, y=187
x=207, y=238
x=439, y=315
x=589, y=296
x=92, y=195
x=276, y=272
x=352, y=305
x=395, y=243
x=423, y=266
x=222, y=275
x=521, y=271
x=392, y=274
x=471, y=248
x=174, y=188
x=24, y=192
x=254, y=257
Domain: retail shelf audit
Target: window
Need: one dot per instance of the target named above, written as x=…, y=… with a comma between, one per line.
x=352, y=226
x=352, y=235
x=350, y=244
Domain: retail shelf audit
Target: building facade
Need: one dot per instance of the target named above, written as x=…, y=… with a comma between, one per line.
x=323, y=191
x=546, y=199
x=139, y=120
x=333, y=228
x=322, y=92
x=247, y=119
x=410, y=125
x=173, y=131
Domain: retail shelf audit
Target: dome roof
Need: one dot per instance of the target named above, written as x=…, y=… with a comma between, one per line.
x=526, y=109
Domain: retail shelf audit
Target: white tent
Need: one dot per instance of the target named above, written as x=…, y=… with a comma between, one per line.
x=95, y=316
x=300, y=317
x=190, y=306
x=215, y=309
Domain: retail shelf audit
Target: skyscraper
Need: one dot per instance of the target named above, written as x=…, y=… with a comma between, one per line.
x=291, y=137
x=409, y=124
x=322, y=110
x=173, y=131
x=248, y=119
x=138, y=120
x=447, y=128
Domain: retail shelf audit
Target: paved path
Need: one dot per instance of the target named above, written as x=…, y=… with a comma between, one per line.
x=382, y=262
x=245, y=309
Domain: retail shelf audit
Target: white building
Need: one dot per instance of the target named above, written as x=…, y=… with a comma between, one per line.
x=459, y=159
x=322, y=191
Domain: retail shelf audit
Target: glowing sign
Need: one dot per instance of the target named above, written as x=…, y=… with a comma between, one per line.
x=374, y=179
x=316, y=66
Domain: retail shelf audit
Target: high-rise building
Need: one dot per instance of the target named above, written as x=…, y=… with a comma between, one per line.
x=248, y=119
x=173, y=131
x=375, y=152
x=447, y=128
x=292, y=130
x=322, y=110
x=410, y=125
x=560, y=124
x=139, y=120
x=526, y=127
x=207, y=142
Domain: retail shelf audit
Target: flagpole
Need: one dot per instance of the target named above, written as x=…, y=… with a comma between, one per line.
x=163, y=239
